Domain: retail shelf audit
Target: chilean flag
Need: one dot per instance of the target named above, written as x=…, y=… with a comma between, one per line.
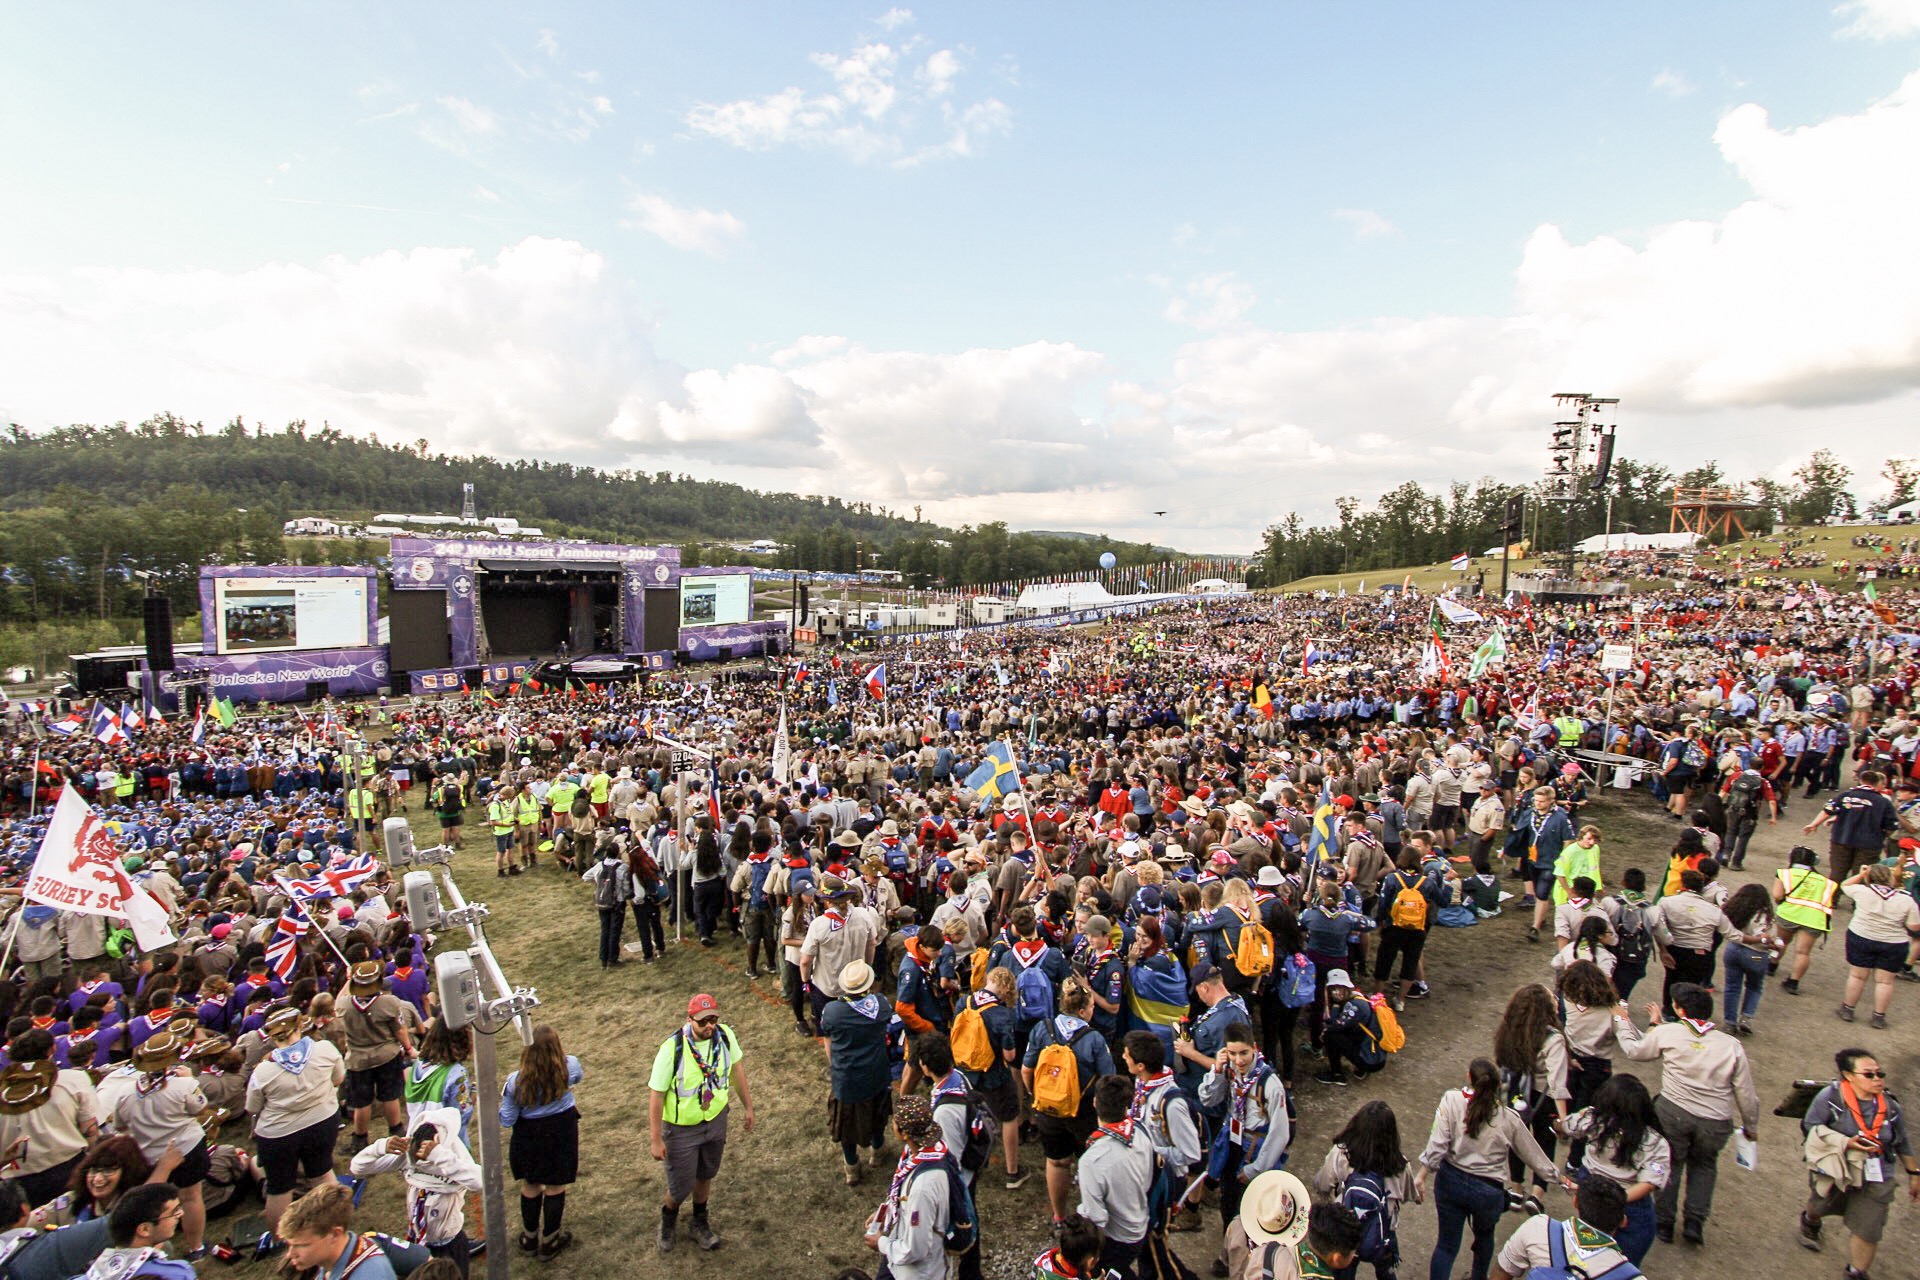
x=877, y=682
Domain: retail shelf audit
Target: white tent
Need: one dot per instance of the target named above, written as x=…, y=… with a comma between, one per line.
x=1601, y=543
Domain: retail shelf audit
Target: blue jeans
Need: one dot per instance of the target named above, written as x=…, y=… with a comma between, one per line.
x=1459, y=1198
x=1636, y=1237
x=1746, y=968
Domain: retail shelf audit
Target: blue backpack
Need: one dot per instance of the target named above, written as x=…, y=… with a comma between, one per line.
x=896, y=856
x=1557, y=1267
x=1366, y=1195
x=963, y=1224
x=1033, y=989
x=1297, y=977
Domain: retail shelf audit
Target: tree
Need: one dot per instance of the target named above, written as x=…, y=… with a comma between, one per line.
x=1820, y=490
x=1904, y=475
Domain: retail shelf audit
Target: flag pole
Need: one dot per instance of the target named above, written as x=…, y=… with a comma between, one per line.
x=33, y=800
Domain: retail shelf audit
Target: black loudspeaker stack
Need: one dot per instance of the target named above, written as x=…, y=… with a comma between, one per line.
x=158, y=616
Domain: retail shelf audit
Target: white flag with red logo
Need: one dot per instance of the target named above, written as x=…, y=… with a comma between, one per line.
x=78, y=869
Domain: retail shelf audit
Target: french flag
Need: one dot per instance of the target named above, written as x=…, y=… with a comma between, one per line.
x=200, y=727
x=1306, y=659
x=877, y=682
x=106, y=725
x=73, y=723
x=130, y=717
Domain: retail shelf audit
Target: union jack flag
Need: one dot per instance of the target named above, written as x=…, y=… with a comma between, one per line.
x=337, y=881
x=283, y=948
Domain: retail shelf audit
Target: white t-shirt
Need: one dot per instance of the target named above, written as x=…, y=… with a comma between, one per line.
x=1882, y=913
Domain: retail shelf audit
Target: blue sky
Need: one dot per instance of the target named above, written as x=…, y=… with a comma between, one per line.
x=1062, y=265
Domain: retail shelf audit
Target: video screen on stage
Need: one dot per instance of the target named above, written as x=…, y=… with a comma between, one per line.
x=719, y=600
x=254, y=615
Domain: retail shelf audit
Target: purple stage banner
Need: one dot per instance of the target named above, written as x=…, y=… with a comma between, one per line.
x=280, y=677
x=740, y=640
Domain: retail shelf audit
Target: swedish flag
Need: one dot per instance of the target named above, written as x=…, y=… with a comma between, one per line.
x=998, y=774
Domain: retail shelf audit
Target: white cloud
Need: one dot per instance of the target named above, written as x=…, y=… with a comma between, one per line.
x=1880, y=19
x=1366, y=224
x=471, y=117
x=709, y=231
x=1671, y=83
x=877, y=106
x=1212, y=302
x=893, y=19
x=547, y=43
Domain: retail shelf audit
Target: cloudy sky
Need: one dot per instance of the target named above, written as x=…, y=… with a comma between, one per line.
x=1063, y=265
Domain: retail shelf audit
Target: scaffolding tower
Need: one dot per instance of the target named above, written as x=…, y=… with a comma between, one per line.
x=1711, y=511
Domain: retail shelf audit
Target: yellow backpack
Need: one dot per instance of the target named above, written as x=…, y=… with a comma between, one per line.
x=977, y=976
x=1253, y=955
x=1392, y=1038
x=1056, y=1076
x=972, y=1046
x=1409, y=910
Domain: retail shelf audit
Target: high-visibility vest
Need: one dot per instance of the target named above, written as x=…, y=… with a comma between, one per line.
x=1570, y=730
x=359, y=803
x=500, y=814
x=527, y=809
x=1808, y=898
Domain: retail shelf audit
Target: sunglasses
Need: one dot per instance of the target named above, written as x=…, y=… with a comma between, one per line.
x=1871, y=1075
x=707, y=1022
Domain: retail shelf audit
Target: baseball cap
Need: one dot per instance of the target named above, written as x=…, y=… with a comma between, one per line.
x=1203, y=972
x=702, y=1004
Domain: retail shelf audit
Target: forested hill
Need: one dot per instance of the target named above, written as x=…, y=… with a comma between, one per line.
x=302, y=470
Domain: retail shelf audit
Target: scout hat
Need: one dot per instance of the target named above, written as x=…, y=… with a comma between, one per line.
x=366, y=978
x=1274, y=1209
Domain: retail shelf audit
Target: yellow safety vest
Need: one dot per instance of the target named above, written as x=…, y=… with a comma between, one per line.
x=1569, y=729
x=500, y=814
x=359, y=803
x=1808, y=898
x=528, y=809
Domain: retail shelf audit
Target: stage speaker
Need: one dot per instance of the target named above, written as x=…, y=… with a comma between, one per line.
x=803, y=599
x=157, y=613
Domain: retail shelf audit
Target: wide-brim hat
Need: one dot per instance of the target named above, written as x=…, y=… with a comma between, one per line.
x=889, y=828
x=210, y=1048
x=24, y=1086
x=1195, y=806
x=283, y=1021
x=856, y=978
x=158, y=1051
x=847, y=840
x=1274, y=1208
x=366, y=978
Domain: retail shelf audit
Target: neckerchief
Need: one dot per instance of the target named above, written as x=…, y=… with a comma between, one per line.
x=1698, y=1028
x=1853, y=1105
x=1143, y=1089
x=363, y=1004
x=835, y=921
x=417, y=1218
x=1312, y=1267
x=954, y=1085
x=292, y=1058
x=903, y=1171
x=1050, y=1263
x=42, y=1023
x=867, y=1006
x=1584, y=1241
x=1244, y=1088
x=149, y=1082
x=1123, y=1131
x=713, y=1070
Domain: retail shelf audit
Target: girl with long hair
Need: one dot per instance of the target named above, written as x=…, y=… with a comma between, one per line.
x=1747, y=956
x=1366, y=1171
x=1623, y=1142
x=544, y=1152
x=1474, y=1134
x=1530, y=1048
x=1590, y=945
x=1587, y=1000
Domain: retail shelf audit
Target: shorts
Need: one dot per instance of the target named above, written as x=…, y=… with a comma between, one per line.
x=1064, y=1137
x=305, y=1153
x=502, y=843
x=1864, y=1208
x=1002, y=1103
x=1865, y=953
x=1407, y=944
x=1543, y=883
x=1845, y=859
x=448, y=821
x=384, y=1083
x=693, y=1154
x=192, y=1171
x=1446, y=817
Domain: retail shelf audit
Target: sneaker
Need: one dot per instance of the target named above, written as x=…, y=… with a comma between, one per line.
x=1399, y=1004
x=1017, y=1179
x=194, y=1255
x=1533, y=934
x=703, y=1234
x=1844, y=1013
x=1664, y=1231
x=1908, y=975
x=550, y=1247
x=530, y=1243
x=1694, y=1233
x=1419, y=991
x=1878, y=1022
x=1336, y=1078
x=851, y=1176
x=1809, y=1234
x=665, y=1244
x=1855, y=1273
x=1790, y=985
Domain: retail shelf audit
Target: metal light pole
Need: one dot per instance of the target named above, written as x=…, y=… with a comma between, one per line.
x=463, y=1003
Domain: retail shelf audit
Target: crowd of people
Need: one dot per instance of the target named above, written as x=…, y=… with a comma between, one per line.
x=1124, y=893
